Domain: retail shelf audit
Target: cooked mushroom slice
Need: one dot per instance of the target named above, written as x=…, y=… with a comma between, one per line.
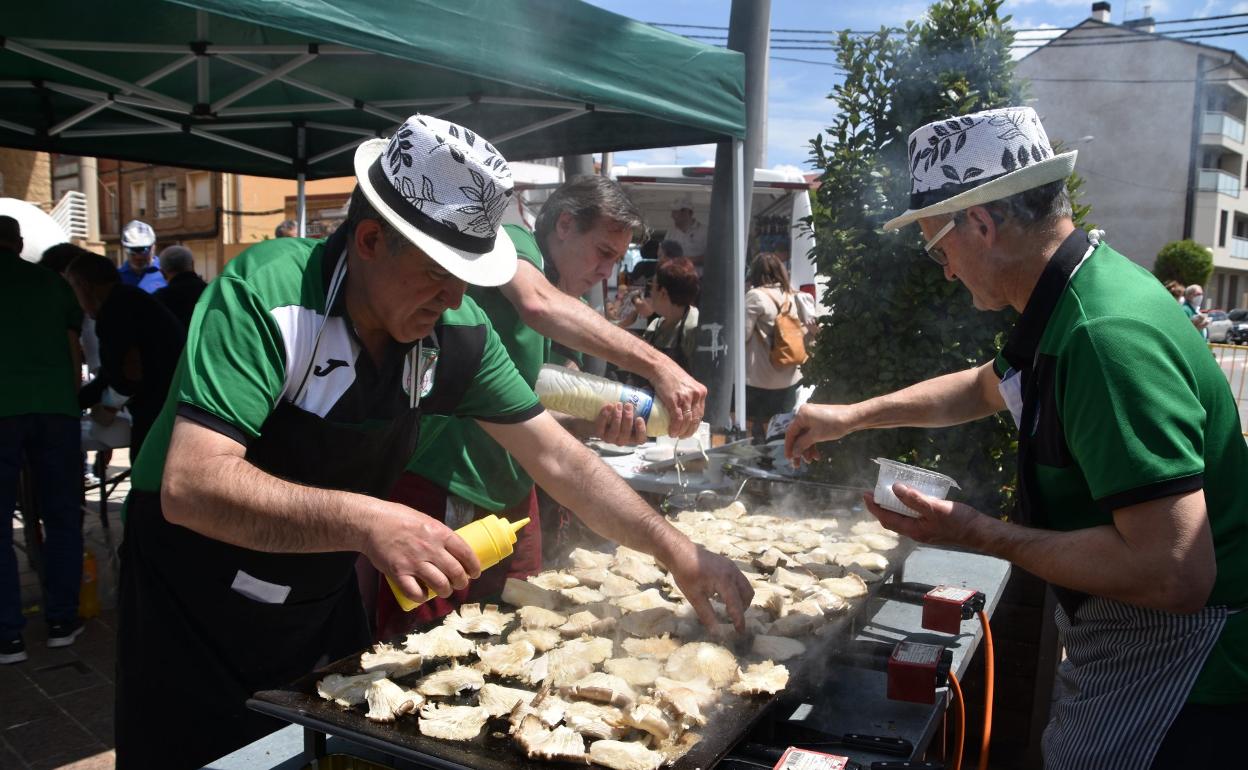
x=764, y=678
x=553, y=581
x=594, y=649
x=872, y=561
x=820, y=570
x=770, y=559
x=834, y=550
x=849, y=587
x=441, y=642
x=614, y=586
x=582, y=595
x=820, y=525
x=472, y=619
x=876, y=541
x=695, y=517
x=869, y=526
x=521, y=593
x=450, y=681
x=559, y=668
x=703, y=660
x=776, y=647
x=594, y=720
x=559, y=745
x=804, y=538
x=507, y=660
x=794, y=624
x=593, y=576
x=603, y=688
x=347, y=690
x=452, y=723
x=824, y=599
x=657, y=647
x=731, y=511
x=540, y=617
x=625, y=755
x=684, y=699
x=636, y=569
x=542, y=639
x=655, y=622
x=499, y=700
x=391, y=660
x=386, y=700
x=587, y=623
x=648, y=599
x=638, y=672
x=770, y=597
x=649, y=718
x=868, y=575
x=584, y=559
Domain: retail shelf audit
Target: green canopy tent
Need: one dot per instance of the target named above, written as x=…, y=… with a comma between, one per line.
x=288, y=89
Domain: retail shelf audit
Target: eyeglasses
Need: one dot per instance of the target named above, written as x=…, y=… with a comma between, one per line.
x=938, y=254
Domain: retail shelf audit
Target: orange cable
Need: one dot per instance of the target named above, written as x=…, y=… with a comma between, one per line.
x=956, y=689
x=988, y=679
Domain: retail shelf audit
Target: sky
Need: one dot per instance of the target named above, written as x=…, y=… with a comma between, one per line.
x=797, y=103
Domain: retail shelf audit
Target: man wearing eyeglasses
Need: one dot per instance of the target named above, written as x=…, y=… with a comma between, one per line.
x=141, y=268
x=1130, y=457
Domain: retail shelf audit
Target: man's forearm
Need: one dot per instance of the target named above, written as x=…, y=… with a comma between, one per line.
x=951, y=399
x=225, y=497
x=575, y=325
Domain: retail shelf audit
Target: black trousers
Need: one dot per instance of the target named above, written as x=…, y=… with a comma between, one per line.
x=1204, y=736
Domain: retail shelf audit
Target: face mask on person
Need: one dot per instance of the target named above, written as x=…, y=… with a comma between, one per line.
x=1198, y=300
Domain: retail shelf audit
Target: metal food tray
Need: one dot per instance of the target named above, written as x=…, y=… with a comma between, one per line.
x=494, y=749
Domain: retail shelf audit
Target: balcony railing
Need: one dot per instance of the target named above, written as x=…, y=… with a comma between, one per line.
x=1217, y=180
x=1223, y=124
x=1239, y=247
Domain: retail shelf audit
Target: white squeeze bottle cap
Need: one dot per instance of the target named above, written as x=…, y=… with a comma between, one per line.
x=584, y=395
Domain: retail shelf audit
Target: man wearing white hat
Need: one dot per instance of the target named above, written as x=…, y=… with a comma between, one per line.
x=687, y=230
x=1131, y=462
x=296, y=405
x=140, y=268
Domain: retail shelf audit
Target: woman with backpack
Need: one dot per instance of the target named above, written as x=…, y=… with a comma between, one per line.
x=775, y=347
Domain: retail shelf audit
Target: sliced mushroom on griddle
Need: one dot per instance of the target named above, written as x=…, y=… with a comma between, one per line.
x=649, y=718
x=703, y=660
x=452, y=723
x=539, y=617
x=473, y=619
x=441, y=642
x=625, y=755
x=602, y=688
x=637, y=672
x=849, y=587
x=542, y=639
x=594, y=720
x=766, y=678
x=521, y=593
x=553, y=580
x=450, y=681
x=776, y=647
x=646, y=623
x=390, y=660
x=347, y=691
x=499, y=701
x=585, y=559
x=387, y=700
x=587, y=623
x=505, y=660
x=657, y=647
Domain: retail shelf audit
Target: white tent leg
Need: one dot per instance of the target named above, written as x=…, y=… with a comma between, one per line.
x=736, y=332
x=301, y=204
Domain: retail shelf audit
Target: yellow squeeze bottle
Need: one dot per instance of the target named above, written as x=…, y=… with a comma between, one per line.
x=491, y=538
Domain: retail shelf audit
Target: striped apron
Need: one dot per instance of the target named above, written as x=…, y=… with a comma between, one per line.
x=1127, y=673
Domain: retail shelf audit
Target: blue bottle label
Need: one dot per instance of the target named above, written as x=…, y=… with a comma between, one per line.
x=642, y=401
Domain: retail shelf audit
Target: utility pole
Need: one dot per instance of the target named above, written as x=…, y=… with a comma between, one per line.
x=721, y=340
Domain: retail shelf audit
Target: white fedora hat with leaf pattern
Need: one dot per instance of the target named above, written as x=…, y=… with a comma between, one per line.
x=975, y=159
x=445, y=190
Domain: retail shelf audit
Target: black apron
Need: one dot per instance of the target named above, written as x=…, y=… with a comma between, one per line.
x=1127, y=670
x=207, y=624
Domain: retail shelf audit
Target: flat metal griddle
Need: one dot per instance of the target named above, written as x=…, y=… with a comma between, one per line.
x=494, y=749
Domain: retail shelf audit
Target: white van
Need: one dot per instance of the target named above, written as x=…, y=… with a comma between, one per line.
x=781, y=202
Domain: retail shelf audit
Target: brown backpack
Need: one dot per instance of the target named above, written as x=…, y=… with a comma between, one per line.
x=788, y=338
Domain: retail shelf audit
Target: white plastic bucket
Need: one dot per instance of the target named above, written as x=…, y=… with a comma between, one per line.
x=930, y=483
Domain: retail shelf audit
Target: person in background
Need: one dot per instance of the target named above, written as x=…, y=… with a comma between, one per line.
x=1131, y=462
x=1176, y=290
x=580, y=235
x=287, y=229
x=140, y=341
x=687, y=231
x=177, y=265
x=675, y=331
x=769, y=389
x=39, y=423
x=670, y=248
x=1193, y=298
x=140, y=268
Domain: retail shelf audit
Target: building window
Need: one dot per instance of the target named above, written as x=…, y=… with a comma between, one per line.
x=1222, y=230
x=166, y=198
x=199, y=190
x=138, y=200
x=108, y=204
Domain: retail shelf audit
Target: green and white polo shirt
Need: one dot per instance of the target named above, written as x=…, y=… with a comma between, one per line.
x=38, y=310
x=251, y=342
x=1132, y=408
x=458, y=455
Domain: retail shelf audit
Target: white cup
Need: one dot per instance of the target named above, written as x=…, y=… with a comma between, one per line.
x=930, y=483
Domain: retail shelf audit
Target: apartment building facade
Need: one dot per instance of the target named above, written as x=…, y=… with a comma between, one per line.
x=1160, y=129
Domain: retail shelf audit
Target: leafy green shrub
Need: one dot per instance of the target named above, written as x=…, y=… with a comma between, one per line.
x=1184, y=261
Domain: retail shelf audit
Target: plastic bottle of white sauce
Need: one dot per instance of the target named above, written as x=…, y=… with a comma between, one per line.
x=583, y=395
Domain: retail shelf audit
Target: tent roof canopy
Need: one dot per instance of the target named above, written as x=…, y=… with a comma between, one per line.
x=276, y=89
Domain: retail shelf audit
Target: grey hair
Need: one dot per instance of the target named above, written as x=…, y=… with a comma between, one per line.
x=1030, y=208
x=286, y=229
x=587, y=198
x=177, y=259
x=360, y=209
x=1193, y=290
